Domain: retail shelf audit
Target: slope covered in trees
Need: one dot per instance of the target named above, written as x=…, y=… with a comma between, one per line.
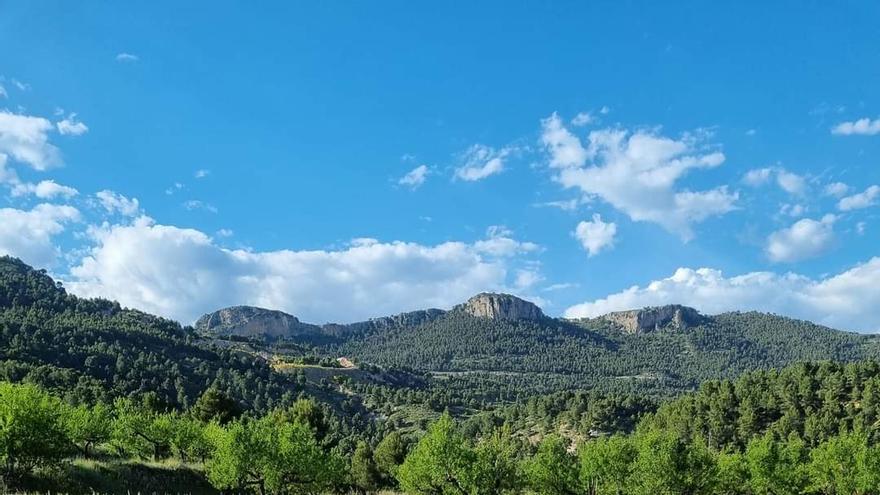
x=553, y=354
x=92, y=350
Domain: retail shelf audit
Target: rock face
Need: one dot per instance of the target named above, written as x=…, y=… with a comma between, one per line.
x=655, y=318
x=249, y=321
x=501, y=306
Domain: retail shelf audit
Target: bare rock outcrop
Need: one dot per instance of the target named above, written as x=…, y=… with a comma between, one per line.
x=501, y=306
x=654, y=318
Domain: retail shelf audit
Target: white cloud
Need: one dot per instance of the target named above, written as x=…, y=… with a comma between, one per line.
x=807, y=238
x=126, y=57
x=564, y=147
x=847, y=300
x=499, y=241
x=46, y=189
x=637, y=174
x=836, y=189
x=3, y=93
x=25, y=139
x=201, y=173
x=415, y=177
x=117, y=203
x=790, y=182
x=71, y=126
x=865, y=127
x=480, y=161
x=861, y=200
x=225, y=233
x=564, y=205
x=582, y=119
x=195, y=204
x=182, y=273
x=29, y=234
x=596, y=235
x=793, y=210
x=758, y=176
x=860, y=228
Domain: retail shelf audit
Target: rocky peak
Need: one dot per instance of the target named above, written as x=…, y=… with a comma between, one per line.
x=501, y=306
x=248, y=321
x=654, y=318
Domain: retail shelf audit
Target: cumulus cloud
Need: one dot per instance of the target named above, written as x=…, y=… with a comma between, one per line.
x=480, y=161
x=116, y=203
x=847, y=300
x=71, y=126
x=46, y=189
x=29, y=234
x=415, y=177
x=758, y=176
x=201, y=173
x=836, y=189
x=790, y=182
x=25, y=139
x=864, y=199
x=182, y=273
x=596, y=235
x=805, y=239
x=637, y=173
x=864, y=126
x=564, y=147
x=3, y=93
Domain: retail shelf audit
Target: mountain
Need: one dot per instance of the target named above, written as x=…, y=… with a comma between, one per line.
x=501, y=306
x=90, y=350
x=654, y=318
x=249, y=321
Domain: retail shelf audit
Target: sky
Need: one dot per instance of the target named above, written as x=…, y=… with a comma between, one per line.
x=348, y=160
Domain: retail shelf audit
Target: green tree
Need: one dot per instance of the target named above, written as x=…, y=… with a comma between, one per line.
x=32, y=430
x=88, y=427
x=553, y=471
x=389, y=455
x=141, y=431
x=214, y=405
x=776, y=467
x=666, y=463
x=495, y=469
x=442, y=463
x=364, y=474
x=271, y=457
x=845, y=465
x=606, y=464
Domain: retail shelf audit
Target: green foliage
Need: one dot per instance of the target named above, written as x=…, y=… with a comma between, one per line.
x=364, y=474
x=666, y=463
x=141, y=432
x=442, y=463
x=845, y=465
x=214, y=405
x=32, y=432
x=496, y=468
x=389, y=455
x=606, y=464
x=553, y=470
x=89, y=426
x=271, y=455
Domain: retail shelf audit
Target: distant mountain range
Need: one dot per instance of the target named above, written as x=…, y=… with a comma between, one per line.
x=501, y=343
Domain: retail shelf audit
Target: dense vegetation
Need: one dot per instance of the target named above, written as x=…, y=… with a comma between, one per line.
x=97, y=397
x=701, y=443
x=510, y=360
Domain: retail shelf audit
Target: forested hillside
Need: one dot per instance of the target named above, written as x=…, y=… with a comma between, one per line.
x=92, y=350
x=520, y=357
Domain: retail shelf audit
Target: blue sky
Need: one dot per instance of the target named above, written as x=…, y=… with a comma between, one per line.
x=589, y=157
